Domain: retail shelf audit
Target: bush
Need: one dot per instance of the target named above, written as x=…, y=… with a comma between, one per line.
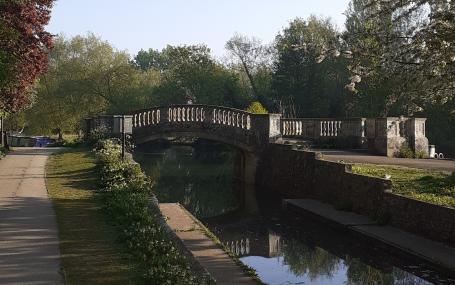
x=2, y=151
x=127, y=199
x=419, y=154
x=256, y=108
x=405, y=152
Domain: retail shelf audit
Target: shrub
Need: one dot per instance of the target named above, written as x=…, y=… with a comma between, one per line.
x=419, y=154
x=256, y=108
x=2, y=151
x=405, y=152
x=127, y=199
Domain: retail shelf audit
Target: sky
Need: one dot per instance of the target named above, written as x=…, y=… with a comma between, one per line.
x=133, y=25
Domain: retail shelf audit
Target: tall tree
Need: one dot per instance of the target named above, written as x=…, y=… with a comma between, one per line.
x=87, y=76
x=24, y=45
x=190, y=74
x=304, y=83
x=417, y=48
x=254, y=58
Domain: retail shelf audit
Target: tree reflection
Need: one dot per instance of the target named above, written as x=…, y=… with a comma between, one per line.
x=359, y=273
x=202, y=181
x=312, y=261
x=315, y=262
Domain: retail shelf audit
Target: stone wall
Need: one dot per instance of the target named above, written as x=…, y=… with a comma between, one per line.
x=293, y=173
x=433, y=221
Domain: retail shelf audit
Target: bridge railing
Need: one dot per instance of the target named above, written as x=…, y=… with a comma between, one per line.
x=193, y=113
x=350, y=130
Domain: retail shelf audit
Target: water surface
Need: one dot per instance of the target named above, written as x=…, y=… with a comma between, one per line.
x=282, y=248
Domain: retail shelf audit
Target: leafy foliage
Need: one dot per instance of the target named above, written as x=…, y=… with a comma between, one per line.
x=304, y=83
x=23, y=50
x=128, y=204
x=256, y=108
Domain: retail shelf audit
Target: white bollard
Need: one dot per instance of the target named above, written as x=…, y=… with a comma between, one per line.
x=432, y=150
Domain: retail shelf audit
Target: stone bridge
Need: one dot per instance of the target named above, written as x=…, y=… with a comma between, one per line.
x=254, y=132
x=246, y=131
x=267, y=163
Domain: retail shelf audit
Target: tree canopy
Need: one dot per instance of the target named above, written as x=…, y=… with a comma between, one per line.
x=24, y=45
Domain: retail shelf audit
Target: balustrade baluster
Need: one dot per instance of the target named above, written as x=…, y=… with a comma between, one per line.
x=248, y=122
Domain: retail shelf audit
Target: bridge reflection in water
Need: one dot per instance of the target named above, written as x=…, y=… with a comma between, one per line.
x=265, y=246
x=290, y=250
x=283, y=249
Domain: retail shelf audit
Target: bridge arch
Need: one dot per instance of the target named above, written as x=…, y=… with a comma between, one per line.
x=238, y=128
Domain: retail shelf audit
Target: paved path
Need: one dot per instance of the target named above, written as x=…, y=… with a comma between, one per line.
x=446, y=165
x=429, y=250
x=220, y=266
x=29, y=252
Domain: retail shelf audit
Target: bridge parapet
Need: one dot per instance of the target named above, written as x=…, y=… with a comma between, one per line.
x=193, y=113
x=383, y=136
x=253, y=132
x=248, y=131
x=344, y=132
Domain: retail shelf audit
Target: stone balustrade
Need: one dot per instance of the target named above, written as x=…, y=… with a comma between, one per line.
x=250, y=131
x=344, y=132
x=232, y=126
x=193, y=113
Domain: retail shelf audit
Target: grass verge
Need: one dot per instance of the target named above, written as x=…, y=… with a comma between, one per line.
x=88, y=247
x=425, y=185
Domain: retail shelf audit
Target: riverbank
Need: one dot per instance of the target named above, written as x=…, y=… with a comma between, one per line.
x=206, y=252
x=435, y=253
x=90, y=251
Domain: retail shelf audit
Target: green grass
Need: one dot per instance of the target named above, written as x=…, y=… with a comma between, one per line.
x=89, y=251
x=425, y=185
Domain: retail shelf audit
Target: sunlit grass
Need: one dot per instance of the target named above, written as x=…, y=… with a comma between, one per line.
x=89, y=252
x=430, y=186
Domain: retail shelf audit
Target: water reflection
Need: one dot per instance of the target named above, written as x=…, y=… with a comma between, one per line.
x=283, y=248
x=200, y=178
x=308, y=254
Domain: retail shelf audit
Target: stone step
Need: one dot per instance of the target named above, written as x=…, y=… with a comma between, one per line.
x=431, y=251
x=209, y=255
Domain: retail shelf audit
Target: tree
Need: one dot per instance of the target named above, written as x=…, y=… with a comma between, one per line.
x=254, y=60
x=151, y=59
x=24, y=45
x=304, y=83
x=417, y=48
x=86, y=77
x=256, y=108
x=190, y=74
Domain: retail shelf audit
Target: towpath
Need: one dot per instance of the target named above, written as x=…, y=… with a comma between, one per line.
x=29, y=248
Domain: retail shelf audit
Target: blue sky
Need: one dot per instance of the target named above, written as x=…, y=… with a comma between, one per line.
x=135, y=24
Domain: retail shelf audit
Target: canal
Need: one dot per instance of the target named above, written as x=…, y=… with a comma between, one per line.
x=282, y=248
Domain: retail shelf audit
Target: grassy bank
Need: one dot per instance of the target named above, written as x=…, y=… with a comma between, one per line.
x=127, y=196
x=430, y=186
x=89, y=251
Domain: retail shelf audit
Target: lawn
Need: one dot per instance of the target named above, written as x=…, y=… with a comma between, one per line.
x=89, y=251
x=430, y=186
